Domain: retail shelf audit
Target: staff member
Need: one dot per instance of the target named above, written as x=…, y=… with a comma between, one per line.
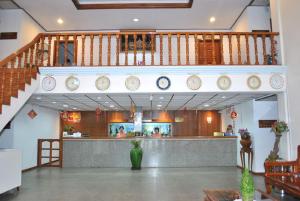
x=121, y=133
x=156, y=133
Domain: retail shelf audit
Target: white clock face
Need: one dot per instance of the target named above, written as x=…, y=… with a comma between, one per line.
x=132, y=83
x=224, y=82
x=102, y=83
x=193, y=82
x=48, y=83
x=163, y=83
x=277, y=81
x=72, y=83
x=254, y=82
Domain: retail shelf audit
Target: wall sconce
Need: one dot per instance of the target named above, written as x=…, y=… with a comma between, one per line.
x=209, y=120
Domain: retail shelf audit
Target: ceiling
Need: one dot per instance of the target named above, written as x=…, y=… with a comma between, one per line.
x=47, y=12
x=168, y=101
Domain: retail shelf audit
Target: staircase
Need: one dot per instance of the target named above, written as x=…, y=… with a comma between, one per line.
x=18, y=79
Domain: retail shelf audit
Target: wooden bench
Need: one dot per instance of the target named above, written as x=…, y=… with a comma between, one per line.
x=284, y=175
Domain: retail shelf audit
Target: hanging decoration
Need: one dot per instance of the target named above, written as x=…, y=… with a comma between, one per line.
x=74, y=117
x=233, y=115
x=32, y=114
x=132, y=110
x=98, y=113
x=64, y=115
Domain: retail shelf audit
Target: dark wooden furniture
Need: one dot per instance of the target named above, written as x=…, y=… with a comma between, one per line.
x=221, y=195
x=51, y=151
x=209, y=52
x=284, y=175
x=246, y=148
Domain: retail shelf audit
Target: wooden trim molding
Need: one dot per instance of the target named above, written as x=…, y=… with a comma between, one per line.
x=80, y=6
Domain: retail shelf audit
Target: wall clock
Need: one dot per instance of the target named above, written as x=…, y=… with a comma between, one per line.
x=132, y=83
x=102, y=83
x=254, y=82
x=224, y=82
x=163, y=83
x=277, y=81
x=193, y=82
x=48, y=83
x=72, y=83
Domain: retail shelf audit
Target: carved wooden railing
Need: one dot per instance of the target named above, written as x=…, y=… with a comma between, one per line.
x=18, y=69
x=49, y=153
x=159, y=48
x=134, y=49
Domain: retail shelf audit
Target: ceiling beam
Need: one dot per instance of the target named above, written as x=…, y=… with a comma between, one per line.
x=86, y=6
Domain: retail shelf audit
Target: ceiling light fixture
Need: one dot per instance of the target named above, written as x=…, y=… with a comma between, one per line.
x=98, y=97
x=135, y=19
x=111, y=106
x=106, y=102
x=54, y=102
x=206, y=105
x=74, y=108
x=65, y=105
x=223, y=97
x=212, y=19
x=60, y=21
x=159, y=105
x=38, y=98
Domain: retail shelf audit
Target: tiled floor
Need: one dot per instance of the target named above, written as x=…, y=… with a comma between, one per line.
x=117, y=184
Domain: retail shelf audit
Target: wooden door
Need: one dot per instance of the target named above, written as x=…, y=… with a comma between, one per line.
x=205, y=52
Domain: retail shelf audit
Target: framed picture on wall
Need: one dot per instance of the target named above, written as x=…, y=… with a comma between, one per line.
x=139, y=40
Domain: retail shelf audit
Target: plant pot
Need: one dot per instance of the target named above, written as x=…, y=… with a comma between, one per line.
x=136, y=155
x=246, y=144
x=247, y=196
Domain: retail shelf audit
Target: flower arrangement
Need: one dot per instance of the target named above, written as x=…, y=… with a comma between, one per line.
x=245, y=135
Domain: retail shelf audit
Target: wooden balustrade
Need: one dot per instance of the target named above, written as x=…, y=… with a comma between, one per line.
x=133, y=49
x=49, y=153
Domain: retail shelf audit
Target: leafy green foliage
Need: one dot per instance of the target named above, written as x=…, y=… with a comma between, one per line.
x=136, y=143
x=247, y=183
x=279, y=127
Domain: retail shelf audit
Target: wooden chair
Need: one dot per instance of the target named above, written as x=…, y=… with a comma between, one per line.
x=283, y=174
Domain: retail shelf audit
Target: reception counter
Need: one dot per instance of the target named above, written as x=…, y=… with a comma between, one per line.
x=164, y=152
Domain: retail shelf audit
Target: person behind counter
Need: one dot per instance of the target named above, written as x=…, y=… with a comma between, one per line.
x=121, y=133
x=156, y=133
x=229, y=131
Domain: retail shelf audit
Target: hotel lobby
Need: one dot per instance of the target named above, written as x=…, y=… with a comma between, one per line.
x=149, y=100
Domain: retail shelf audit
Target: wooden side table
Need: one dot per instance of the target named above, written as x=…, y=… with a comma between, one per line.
x=221, y=195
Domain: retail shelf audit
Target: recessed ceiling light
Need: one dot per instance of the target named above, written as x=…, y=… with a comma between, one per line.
x=159, y=105
x=161, y=98
x=223, y=97
x=111, y=106
x=106, y=102
x=212, y=19
x=135, y=19
x=206, y=105
x=74, y=108
x=38, y=98
x=98, y=97
x=60, y=21
x=65, y=105
x=54, y=102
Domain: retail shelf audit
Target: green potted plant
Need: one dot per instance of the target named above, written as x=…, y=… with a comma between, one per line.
x=136, y=155
x=68, y=129
x=247, y=186
x=278, y=128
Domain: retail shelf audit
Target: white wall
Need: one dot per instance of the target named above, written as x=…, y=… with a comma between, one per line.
x=25, y=131
x=262, y=139
x=286, y=15
x=16, y=20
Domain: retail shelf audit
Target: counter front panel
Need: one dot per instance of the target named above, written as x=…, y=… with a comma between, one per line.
x=193, y=152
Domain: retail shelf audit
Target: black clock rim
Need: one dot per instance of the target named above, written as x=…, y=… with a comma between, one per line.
x=163, y=88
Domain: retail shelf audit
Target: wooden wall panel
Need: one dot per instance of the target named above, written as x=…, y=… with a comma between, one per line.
x=185, y=123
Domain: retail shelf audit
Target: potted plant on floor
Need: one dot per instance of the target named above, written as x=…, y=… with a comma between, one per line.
x=136, y=155
x=247, y=186
x=278, y=128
